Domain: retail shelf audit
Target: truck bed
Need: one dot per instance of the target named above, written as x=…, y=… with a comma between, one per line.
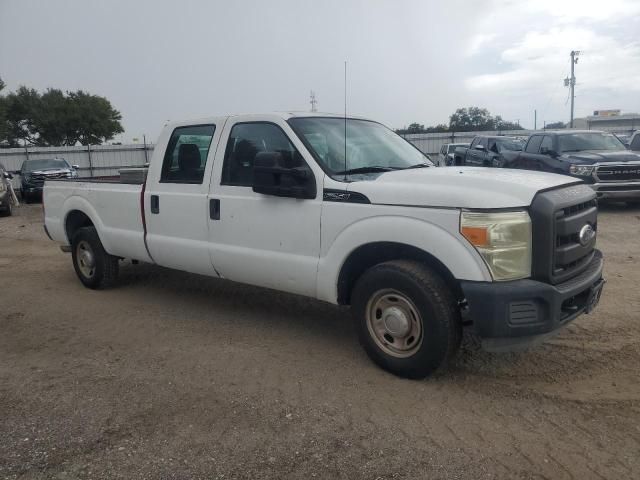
x=114, y=207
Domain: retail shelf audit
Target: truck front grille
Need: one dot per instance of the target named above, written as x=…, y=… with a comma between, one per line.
x=618, y=173
x=557, y=218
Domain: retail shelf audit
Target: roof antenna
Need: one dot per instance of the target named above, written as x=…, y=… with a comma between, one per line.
x=345, y=120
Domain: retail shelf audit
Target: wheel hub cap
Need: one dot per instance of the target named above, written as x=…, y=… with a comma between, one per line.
x=86, y=259
x=396, y=321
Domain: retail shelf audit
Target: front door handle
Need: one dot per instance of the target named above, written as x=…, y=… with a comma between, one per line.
x=214, y=209
x=155, y=204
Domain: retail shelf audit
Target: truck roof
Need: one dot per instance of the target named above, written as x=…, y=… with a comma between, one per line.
x=565, y=132
x=264, y=116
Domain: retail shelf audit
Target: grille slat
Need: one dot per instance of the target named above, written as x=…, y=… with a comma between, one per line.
x=570, y=255
x=618, y=173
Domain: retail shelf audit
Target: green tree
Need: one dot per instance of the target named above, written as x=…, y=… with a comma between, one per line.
x=556, y=125
x=57, y=118
x=474, y=119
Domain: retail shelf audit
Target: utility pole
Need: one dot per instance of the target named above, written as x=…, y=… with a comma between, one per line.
x=535, y=119
x=313, y=101
x=571, y=82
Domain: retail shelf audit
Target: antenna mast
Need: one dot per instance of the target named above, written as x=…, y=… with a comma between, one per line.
x=345, y=120
x=313, y=101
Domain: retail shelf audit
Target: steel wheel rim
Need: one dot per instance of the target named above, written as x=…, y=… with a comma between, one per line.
x=394, y=323
x=86, y=259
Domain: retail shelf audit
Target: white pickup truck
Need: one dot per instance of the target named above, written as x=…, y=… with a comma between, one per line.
x=346, y=211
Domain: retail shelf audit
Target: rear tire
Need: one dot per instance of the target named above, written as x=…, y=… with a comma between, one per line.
x=407, y=318
x=93, y=265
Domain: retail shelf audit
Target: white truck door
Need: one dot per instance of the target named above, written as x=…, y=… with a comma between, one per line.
x=259, y=239
x=176, y=208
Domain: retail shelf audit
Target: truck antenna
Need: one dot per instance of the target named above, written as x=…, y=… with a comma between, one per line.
x=345, y=120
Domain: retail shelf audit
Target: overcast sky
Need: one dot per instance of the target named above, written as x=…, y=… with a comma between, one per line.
x=408, y=61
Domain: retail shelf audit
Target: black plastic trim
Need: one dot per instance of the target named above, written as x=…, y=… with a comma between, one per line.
x=491, y=305
x=343, y=196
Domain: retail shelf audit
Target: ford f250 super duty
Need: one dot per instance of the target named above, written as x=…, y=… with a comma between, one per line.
x=346, y=211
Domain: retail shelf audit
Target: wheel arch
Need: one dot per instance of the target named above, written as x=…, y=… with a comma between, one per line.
x=374, y=253
x=75, y=220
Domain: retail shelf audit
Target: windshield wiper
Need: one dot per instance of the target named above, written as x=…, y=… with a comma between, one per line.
x=371, y=169
x=417, y=165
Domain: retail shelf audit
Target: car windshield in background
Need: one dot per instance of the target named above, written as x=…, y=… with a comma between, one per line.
x=577, y=142
x=370, y=146
x=34, y=165
x=509, y=144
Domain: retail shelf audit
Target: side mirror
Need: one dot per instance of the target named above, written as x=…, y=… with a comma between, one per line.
x=75, y=167
x=274, y=174
x=479, y=147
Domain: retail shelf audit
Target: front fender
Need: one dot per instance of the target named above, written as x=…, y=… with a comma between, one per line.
x=442, y=242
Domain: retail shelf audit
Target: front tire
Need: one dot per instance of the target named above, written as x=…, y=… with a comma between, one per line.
x=407, y=318
x=93, y=265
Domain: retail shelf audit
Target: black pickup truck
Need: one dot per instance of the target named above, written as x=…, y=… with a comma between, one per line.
x=486, y=151
x=598, y=158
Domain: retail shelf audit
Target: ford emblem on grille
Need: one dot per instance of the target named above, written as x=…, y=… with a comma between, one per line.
x=586, y=235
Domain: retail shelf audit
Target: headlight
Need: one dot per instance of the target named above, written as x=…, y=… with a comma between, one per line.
x=503, y=239
x=581, y=170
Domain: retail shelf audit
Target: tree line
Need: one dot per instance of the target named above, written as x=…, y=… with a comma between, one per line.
x=56, y=118
x=470, y=119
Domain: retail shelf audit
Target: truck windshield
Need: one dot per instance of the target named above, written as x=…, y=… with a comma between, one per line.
x=577, y=142
x=370, y=146
x=34, y=165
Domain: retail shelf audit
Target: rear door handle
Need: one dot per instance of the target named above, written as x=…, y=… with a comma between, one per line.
x=214, y=209
x=155, y=204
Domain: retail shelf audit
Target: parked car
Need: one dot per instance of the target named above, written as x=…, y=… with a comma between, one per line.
x=270, y=200
x=597, y=158
x=487, y=151
x=34, y=172
x=445, y=157
x=6, y=199
x=634, y=141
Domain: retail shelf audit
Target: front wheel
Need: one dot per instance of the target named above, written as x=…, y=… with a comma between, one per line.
x=407, y=318
x=93, y=265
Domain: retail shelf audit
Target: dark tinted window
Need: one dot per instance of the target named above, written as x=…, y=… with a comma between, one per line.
x=475, y=142
x=245, y=142
x=546, y=143
x=511, y=144
x=34, y=165
x=484, y=141
x=635, y=143
x=533, y=146
x=186, y=156
x=577, y=142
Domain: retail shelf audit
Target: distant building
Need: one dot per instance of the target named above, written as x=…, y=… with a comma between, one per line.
x=619, y=123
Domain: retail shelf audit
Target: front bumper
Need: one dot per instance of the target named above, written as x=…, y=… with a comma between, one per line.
x=515, y=314
x=617, y=190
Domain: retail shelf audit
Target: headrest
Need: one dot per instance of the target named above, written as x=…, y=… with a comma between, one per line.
x=188, y=157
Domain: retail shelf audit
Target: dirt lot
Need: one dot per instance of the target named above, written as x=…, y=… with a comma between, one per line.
x=171, y=375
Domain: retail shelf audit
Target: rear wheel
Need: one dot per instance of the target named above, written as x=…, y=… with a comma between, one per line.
x=93, y=265
x=407, y=318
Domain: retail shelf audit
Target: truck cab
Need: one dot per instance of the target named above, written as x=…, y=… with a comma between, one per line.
x=347, y=212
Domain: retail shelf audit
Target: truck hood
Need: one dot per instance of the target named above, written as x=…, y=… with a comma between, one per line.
x=600, y=156
x=459, y=187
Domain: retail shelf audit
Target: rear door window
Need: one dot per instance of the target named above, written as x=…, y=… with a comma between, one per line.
x=635, y=143
x=186, y=156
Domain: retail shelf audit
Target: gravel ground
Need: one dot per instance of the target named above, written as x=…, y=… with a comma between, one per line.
x=171, y=375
